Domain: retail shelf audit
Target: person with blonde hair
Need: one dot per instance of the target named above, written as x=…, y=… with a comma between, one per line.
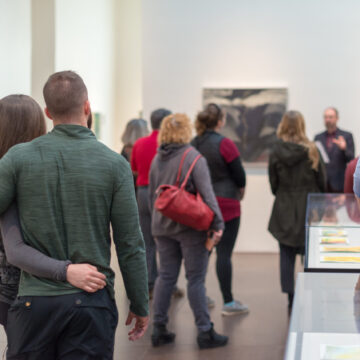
x=295, y=169
x=175, y=241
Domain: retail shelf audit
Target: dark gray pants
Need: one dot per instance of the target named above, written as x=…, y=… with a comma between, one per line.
x=145, y=224
x=196, y=258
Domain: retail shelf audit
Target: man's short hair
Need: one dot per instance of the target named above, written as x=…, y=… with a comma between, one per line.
x=65, y=94
x=333, y=109
x=157, y=117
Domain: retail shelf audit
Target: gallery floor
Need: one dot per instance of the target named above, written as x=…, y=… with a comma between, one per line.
x=260, y=335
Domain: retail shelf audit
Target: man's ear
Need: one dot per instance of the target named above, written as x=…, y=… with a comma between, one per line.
x=48, y=113
x=87, y=108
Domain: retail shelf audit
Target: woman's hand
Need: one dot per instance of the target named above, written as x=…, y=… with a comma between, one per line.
x=85, y=277
x=216, y=236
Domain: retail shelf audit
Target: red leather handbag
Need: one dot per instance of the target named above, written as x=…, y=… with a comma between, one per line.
x=174, y=202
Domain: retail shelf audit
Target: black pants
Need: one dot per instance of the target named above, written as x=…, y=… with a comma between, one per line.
x=78, y=326
x=287, y=267
x=4, y=308
x=145, y=224
x=223, y=261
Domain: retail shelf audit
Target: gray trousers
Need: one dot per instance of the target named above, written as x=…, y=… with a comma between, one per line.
x=145, y=224
x=195, y=255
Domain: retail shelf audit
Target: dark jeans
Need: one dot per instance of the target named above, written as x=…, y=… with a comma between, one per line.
x=287, y=267
x=196, y=258
x=78, y=326
x=145, y=224
x=223, y=260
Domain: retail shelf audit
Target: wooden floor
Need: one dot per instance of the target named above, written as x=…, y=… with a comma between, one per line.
x=260, y=335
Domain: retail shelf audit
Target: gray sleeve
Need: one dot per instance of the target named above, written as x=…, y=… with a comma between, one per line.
x=202, y=182
x=25, y=257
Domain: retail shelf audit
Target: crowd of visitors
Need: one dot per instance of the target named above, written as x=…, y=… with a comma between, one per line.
x=62, y=192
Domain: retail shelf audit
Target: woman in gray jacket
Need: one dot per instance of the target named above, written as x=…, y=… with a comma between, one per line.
x=175, y=241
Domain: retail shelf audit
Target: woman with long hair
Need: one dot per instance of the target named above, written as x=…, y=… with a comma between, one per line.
x=176, y=242
x=22, y=120
x=295, y=170
x=228, y=180
x=135, y=129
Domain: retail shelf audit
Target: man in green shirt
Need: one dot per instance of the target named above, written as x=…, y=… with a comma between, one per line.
x=69, y=188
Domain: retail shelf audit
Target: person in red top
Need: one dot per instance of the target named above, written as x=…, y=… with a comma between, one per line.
x=143, y=152
x=349, y=176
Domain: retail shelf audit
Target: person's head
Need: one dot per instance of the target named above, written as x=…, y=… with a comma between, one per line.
x=135, y=129
x=211, y=118
x=175, y=129
x=157, y=117
x=331, y=117
x=292, y=129
x=66, y=99
x=21, y=120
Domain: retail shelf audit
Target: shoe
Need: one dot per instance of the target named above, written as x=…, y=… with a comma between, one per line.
x=234, y=308
x=290, y=300
x=211, y=339
x=151, y=293
x=210, y=302
x=178, y=293
x=161, y=336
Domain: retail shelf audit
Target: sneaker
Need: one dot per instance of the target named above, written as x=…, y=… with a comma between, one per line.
x=211, y=339
x=210, y=302
x=178, y=293
x=161, y=336
x=234, y=308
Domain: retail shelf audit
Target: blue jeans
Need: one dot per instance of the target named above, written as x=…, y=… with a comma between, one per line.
x=195, y=255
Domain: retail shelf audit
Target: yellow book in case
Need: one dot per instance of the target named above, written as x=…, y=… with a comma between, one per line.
x=353, y=249
x=333, y=240
x=341, y=259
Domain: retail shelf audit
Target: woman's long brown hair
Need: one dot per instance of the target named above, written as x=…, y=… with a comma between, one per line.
x=21, y=120
x=292, y=129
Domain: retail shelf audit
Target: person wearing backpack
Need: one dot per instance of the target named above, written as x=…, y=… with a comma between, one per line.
x=175, y=241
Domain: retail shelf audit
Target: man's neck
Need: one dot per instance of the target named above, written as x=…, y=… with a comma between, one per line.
x=331, y=131
x=80, y=122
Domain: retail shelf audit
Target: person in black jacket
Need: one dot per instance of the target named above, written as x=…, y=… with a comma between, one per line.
x=295, y=169
x=228, y=179
x=339, y=146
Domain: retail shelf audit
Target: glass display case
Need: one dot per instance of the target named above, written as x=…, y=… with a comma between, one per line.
x=325, y=320
x=332, y=233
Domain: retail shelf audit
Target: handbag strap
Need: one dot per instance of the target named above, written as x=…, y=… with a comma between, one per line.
x=189, y=171
x=181, y=165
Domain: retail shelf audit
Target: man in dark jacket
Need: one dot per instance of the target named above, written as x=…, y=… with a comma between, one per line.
x=339, y=147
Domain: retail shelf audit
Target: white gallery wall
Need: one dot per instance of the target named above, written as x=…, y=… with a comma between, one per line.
x=84, y=43
x=309, y=46
x=15, y=42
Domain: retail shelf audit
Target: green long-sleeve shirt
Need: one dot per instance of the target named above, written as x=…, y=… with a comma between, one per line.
x=69, y=188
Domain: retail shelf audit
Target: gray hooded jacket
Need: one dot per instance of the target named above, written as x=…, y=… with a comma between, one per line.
x=164, y=169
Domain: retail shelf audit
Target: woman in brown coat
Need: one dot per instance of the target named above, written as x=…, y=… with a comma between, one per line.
x=295, y=170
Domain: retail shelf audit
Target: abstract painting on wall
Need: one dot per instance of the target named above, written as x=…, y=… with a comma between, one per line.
x=252, y=117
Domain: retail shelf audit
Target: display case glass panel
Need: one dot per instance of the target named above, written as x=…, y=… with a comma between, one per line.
x=332, y=233
x=325, y=320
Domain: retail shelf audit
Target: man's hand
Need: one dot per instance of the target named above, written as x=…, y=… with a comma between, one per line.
x=141, y=324
x=340, y=142
x=241, y=193
x=85, y=277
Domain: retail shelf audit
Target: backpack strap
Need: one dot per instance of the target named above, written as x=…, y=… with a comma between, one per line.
x=181, y=165
x=190, y=171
